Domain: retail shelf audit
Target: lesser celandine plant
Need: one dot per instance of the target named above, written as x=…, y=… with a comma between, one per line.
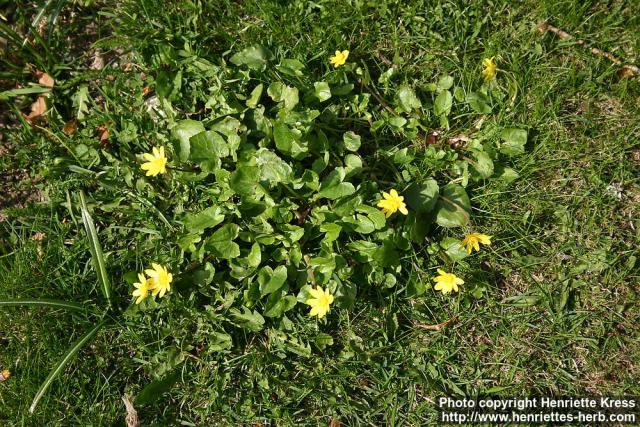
x=284, y=200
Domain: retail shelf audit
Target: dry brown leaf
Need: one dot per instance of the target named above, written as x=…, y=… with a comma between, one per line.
x=103, y=135
x=132, y=415
x=45, y=79
x=628, y=71
x=146, y=91
x=459, y=141
x=334, y=422
x=70, y=127
x=433, y=137
x=37, y=109
x=98, y=60
x=38, y=236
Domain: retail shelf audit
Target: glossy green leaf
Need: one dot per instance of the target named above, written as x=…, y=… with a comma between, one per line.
x=422, y=197
x=514, y=141
x=445, y=82
x=322, y=91
x=183, y=132
x=255, y=57
x=272, y=167
x=221, y=242
x=208, y=218
x=272, y=280
x=291, y=67
x=351, y=141
x=277, y=304
x=284, y=137
x=407, y=98
x=479, y=102
x=254, y=98
x=336, y=191
x=454, y=249
x=244, y=180
x=453, y=207
x=483, y=164
x=443, y=103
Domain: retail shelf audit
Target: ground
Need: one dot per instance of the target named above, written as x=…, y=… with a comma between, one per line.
x=556, y=308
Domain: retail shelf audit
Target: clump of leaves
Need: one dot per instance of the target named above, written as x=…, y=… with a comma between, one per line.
x=273, y=180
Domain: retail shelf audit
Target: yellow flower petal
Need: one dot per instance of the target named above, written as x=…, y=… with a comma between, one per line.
x=316, y=293
x=392, y=202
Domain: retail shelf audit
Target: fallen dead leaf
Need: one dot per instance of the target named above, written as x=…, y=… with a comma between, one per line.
x=459, y=141
x=45, y=79
x=627, y=71
x=38, y=236
x=37, y=109
x=147, y=90
x=70, y=127
x=98, y=60
x=334, y=422
x=103, y=135
x=433, y=137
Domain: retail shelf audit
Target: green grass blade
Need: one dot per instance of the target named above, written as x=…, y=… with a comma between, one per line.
x=96, y=250
x=63, y=362
x=53, y=303
x=8, y=94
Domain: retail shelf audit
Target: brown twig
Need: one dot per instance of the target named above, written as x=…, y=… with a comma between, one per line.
x=437, y=327
x=626, y=70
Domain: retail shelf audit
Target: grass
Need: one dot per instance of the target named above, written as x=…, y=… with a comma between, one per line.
x=555, y=303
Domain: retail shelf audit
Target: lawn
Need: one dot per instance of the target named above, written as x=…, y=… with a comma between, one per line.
x=277, y=162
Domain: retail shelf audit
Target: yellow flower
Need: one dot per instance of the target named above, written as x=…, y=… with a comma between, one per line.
x=391, y=203
x=340, y=58
x=156, y=162
x=489, y=71
x=161, y=279
x=447, y=282
x=472, y=241
x=320, y=302
x=143, y=287
x=5, y=375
